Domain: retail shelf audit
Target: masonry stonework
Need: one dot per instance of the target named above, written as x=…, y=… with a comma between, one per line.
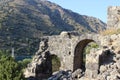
x=102, y=63
x=113, y=17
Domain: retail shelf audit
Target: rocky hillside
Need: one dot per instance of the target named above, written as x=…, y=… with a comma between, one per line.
x=23, y=22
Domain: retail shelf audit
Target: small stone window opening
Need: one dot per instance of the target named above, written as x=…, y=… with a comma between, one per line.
x=118, y=12
x=69, y=53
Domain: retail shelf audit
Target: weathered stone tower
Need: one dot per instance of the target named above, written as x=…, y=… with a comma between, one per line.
x=113, y=17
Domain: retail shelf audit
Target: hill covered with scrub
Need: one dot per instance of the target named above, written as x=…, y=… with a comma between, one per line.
x=23, y=22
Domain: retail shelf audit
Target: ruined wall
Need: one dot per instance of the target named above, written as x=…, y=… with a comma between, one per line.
x=61, y=46
x=113, y=17
x=65, y=46
x=69, y=46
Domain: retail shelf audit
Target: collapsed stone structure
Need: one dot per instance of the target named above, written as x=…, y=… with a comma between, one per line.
x=113, y=17
x=102, y=63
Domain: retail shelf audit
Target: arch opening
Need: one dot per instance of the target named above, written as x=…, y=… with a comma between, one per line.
x=106, y=58
x=48, y=66
x=55, y=63
x=80, y=55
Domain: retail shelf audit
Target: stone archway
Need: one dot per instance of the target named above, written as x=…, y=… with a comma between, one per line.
x=78, y=54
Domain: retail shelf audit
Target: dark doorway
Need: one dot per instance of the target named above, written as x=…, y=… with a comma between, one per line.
x=79, y=62
x=55, y=63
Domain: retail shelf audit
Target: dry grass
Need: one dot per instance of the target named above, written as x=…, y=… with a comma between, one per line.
x=110, y=31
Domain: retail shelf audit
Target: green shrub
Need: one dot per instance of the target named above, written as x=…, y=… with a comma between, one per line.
x=89, y=47
x=55, y=63
x=10, y=69
x=24, y=63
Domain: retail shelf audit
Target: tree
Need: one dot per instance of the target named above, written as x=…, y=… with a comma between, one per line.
x=24, y=63
x=10, y=69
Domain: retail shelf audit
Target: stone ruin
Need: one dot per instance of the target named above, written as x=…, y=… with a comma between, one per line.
x=102, y=63
x=113, y=17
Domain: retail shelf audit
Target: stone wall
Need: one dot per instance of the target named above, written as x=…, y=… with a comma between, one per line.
x=101, y=64
x=68, y=46
x=65, y=46
x=113, y=17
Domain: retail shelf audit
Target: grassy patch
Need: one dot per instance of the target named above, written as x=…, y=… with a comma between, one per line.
x=110, y=31
x=88, y=48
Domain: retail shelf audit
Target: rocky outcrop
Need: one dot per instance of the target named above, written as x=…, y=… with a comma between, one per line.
x=107, y=64
x=67, y=75
x=61, y=75
x=107, y=68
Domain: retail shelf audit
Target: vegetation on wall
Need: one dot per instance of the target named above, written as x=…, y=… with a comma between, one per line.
x=88, y=48
x=55, y=63
x=110, y=31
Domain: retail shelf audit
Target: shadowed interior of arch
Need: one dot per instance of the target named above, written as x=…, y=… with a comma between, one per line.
x=48, y=66
x=55, y=63
x=78, y=54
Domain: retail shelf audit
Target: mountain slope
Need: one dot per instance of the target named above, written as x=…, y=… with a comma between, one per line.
x=23, y=22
